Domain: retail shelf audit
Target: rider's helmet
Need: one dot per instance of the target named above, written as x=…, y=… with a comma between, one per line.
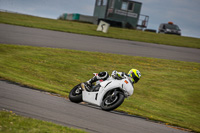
x=135, y=75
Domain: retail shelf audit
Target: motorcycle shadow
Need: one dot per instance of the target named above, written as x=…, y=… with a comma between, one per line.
x=113, y=111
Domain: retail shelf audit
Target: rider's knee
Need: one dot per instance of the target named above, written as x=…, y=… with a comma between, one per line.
x=103, y=75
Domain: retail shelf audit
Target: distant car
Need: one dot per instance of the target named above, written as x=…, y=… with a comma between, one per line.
x=169, y=28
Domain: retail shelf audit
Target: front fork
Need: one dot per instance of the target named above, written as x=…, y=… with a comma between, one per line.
x=114, y=94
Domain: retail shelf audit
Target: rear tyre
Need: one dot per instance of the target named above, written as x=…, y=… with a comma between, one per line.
x=75, y=94
x=112, y=102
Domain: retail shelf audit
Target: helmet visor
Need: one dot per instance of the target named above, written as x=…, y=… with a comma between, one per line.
x=135, y=78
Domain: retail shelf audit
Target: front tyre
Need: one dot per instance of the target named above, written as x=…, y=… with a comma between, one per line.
x=75, y=94
x=112, y=102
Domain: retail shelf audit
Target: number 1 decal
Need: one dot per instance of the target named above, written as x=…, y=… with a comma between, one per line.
x=96, y=96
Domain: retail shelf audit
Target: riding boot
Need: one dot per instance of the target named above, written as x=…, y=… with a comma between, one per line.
x=92, y=80
x=88, y=84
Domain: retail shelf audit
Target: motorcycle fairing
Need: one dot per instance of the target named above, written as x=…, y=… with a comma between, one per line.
x=97, y=97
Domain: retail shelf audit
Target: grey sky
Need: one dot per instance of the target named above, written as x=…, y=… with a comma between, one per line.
x=184, y=13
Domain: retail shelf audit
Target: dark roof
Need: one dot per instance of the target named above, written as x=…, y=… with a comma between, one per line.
x=135, y=1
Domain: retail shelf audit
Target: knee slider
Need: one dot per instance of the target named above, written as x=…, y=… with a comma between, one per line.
x=103, y=75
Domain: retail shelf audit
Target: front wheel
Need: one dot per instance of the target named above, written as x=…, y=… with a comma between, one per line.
x=75, y=94
x=112, y=102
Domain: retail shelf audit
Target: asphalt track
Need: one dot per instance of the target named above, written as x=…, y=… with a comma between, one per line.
x=10, y=34
x=41, y=105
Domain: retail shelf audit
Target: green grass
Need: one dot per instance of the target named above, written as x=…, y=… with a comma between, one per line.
x=168, y=91
x=90, y=29
x=12, y=123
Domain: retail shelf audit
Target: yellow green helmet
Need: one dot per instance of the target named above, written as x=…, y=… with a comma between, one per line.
x=135, y=75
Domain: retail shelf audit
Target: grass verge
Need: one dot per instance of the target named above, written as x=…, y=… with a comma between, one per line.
x=12, y=123
x=90, y=29
x=168, y=90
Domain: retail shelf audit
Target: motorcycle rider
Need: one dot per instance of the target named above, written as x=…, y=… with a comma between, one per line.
x=133, y=75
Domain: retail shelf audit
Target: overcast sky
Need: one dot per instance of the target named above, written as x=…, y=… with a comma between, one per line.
x=184, y=13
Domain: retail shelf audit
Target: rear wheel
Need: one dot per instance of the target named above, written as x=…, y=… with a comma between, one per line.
x=75, y=94
x=111, y=102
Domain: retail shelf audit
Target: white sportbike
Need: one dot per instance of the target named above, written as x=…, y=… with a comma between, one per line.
x=108, y=94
